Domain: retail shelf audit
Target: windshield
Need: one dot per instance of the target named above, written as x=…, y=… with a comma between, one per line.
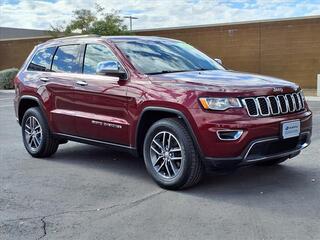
x=165, y=56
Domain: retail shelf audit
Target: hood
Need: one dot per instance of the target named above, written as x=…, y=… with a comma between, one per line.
x=223, y=80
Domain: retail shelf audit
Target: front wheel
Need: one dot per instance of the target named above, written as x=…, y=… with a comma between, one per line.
x=170, y=156
x=36, y=134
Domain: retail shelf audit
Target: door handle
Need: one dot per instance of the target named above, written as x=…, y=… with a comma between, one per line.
x=82, y=83
x=44, y=79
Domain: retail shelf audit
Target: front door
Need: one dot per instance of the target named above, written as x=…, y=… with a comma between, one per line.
x=101, y=101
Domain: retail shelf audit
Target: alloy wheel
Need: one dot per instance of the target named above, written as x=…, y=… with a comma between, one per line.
x=33, y=133
x=166, y=155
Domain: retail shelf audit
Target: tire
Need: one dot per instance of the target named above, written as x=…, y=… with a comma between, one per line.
x=272, y=162
x=36, y=134
x=175, y=169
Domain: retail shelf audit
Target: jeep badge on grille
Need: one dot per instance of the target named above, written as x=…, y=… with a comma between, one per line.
x=278, y=89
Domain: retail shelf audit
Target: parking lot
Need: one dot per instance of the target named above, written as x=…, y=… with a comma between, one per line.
x=86, y=192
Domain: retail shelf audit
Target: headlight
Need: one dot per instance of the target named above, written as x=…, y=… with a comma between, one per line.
x=220, y=103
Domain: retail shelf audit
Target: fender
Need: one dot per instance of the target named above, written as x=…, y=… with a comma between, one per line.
x=33, y=98
x=176, y=112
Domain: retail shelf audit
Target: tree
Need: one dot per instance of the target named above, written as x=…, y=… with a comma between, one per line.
x=92, y=22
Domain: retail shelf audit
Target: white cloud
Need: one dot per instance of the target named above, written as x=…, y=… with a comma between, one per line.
x=155, y=13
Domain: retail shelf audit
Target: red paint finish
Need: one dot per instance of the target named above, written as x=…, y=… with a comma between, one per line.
x=101, y=102
x=109, y=109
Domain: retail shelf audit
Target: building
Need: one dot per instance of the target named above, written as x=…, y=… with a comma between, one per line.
x=16, y=33
x=284, y=48
x=17, y=43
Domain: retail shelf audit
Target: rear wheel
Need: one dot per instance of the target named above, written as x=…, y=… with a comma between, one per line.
x=170, y=156
x=36, y=134
x=272, y=162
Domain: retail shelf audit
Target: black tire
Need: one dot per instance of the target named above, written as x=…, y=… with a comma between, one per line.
x=190, y=168
x=48, y=145
x=272, y=162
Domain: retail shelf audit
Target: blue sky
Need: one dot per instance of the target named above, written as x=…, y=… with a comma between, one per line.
x=40, y=14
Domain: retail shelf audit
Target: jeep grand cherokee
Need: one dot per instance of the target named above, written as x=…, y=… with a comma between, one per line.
x=161, y=99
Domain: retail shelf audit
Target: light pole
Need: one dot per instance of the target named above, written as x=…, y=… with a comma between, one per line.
x=131, y=18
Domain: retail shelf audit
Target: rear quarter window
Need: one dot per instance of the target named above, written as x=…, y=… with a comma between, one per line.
x=42, y=60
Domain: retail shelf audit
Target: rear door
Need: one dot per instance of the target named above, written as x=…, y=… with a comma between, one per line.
x=101, y=101
x=64, y=72
x=54, y=84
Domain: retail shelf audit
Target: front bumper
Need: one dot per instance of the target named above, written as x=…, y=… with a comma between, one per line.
x=260, y=141
x=263, y=149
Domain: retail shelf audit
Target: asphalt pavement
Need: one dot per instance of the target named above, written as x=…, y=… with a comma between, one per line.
x=86, y=192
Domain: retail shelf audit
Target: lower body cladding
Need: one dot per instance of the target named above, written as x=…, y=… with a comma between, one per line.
x=255, y=140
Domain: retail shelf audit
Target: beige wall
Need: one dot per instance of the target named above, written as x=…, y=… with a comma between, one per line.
x=287, y=49
x=14, y=52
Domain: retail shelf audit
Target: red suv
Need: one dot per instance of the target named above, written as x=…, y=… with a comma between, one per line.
x=161, y=99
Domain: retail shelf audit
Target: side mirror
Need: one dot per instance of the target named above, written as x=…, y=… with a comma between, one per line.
x=111, y=68
x=218, y=60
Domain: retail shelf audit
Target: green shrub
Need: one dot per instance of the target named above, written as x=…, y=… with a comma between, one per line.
x=6, y=78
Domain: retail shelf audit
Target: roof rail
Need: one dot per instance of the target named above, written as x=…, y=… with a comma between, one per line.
x=75, y=37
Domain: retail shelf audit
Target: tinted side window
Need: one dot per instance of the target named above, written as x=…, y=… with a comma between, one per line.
x=66, y=59
x=94, y=54
x=42, y=60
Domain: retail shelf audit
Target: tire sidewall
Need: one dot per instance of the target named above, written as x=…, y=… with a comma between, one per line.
x=175, y=129
x=35, y=112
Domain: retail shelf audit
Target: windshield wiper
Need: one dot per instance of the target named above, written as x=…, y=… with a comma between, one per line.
x=202, y=69
x=175, y=71
x=166, y=71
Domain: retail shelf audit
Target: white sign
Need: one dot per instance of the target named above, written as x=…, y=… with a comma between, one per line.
x=290, y=129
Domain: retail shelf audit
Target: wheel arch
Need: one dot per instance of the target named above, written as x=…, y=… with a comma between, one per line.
x=27, y=102
x=150, y=115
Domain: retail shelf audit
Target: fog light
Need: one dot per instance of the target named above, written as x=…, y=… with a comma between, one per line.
x=229, y=135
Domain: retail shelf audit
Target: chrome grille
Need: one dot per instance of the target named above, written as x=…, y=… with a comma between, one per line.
x=283, y=104
x=274, y=105
x=290, y=102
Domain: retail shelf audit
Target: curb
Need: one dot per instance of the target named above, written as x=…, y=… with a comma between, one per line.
x=7, y=91
x=313, y=98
